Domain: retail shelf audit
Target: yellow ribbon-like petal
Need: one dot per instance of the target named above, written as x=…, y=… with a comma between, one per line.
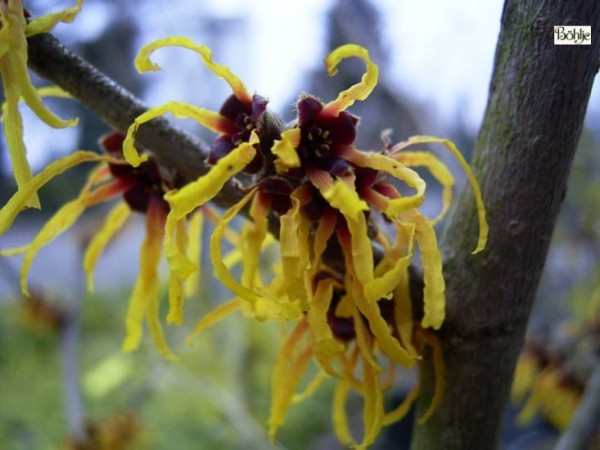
x=62, y=220
x=216, y=315
x=144, y=64
x=483, y=225
x=439, y=368
x=251, y=241
x=373, y=411
x=112, y=224
x=46, y=23
x=384, y=284
x=176, y=290
x=216, y=258
x=285, y=150
x=19, y=200
x=386, y=164
x=13, y=130
x=194, y=252
x=439, y=171
x=144, y=299
x=326, y=347
x=290, y=367
x=209, y=119
x=197, y=193
x=402, y=409
x=294, y=246
x=433, y=294
x=346, y=200
x=359, y=91
x=206, y=187
x=340, y=419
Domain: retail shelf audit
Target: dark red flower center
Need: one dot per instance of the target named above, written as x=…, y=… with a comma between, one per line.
x=143, y=183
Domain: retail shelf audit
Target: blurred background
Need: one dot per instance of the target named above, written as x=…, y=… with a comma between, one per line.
x=62, y=372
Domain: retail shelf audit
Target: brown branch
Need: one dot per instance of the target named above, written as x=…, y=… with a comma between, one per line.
x=537, y=103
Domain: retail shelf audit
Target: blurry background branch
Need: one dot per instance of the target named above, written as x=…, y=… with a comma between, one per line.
x=537, y=102
x=586, y=421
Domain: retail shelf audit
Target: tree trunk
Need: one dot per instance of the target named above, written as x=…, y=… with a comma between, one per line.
x=537, y=102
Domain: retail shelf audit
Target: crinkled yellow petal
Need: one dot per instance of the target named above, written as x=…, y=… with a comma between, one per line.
x=285, y=150
x=206, y=187
x=14, y=251
x=268, y=307
x=251, y=240
x=346, y=200
x=525, y=375
x=439, y=368
x=211, y=120
x=325, y=346
x=364, y=338
x=216, y=315
x=325, y=230
x=359, y=91
x=113, y=223
x=377, y=324
x=362, y=252
x=294, y=248
x=19, y=200
x=29, y=93
x=5, y=42
x=311, y=388
x=183, y=201
x=145, y=297
x=557, y=402
x=144, y=64
x=483, y=225
x=373, y=409
x=340, y=419
x=179, y=264
x=386, y=164
x=63, y=219
x=380, y=328
x=403, y=313
x=439, y=171
x=383, y=285
x=15, y=57
x=194, y=252
x=13, y=130
x=53, y=91
x=176, y=292
x=216, y=256
x=340, y=196
x=290, y=367
x=434, y=300
x=47, y=22
x=403, y=408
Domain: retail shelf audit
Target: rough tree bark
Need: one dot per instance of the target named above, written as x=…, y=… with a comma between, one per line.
x=538, y=98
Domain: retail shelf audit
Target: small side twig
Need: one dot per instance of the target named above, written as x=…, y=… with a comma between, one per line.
x=585, y=424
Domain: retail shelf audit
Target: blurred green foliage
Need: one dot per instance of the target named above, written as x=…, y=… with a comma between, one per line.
x=216, y=396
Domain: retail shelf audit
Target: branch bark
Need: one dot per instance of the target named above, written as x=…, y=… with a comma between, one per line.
x=537, y=102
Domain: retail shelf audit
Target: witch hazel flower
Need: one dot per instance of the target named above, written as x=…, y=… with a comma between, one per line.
x=341, y=282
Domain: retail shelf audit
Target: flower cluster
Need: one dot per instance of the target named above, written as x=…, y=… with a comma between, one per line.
x=553, y=373
x=347, y=235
